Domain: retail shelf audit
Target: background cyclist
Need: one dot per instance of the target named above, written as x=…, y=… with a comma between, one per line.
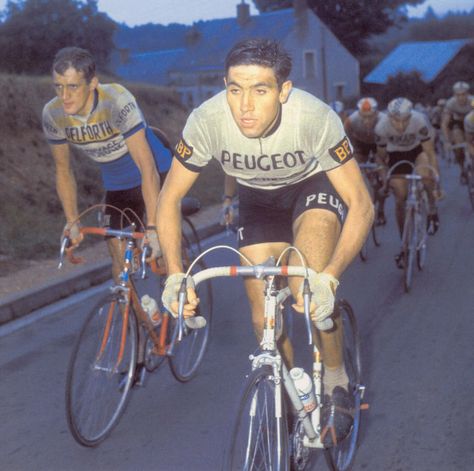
x=297, y=183
x=105, y=123
x=452, y=123
x=359, y=127
x=469, y=131
x=405, y=134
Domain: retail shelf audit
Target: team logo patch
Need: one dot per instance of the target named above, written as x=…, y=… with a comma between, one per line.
x=183, y=150
x=341, y=151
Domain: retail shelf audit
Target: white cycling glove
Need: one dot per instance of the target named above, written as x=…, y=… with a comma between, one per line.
x=323, y=286
x=170, y=295
x=73, y=231
x=152, y=238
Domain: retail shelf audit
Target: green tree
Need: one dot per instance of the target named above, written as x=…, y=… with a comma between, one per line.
x=352, y=21
x=33, y=30
x=409, y=85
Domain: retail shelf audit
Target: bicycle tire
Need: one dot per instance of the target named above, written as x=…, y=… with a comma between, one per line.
x=421, y=231
x=341, y=457
x=259, y=438
x=189, y=352
x=470, y=185
x=409, y=248
x=97, y=391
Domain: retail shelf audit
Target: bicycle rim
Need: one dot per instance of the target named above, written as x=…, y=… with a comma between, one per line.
x=470, y=186
x=409, y=247
x=341, y=456
x=189, y=352
x=97, y=384
x=260, y=438
x=421, y=231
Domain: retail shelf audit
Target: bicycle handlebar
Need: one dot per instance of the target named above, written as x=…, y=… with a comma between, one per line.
x=259, y=272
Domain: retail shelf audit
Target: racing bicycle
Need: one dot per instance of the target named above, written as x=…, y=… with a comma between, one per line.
x=467, y=170
x=272, y=430
x=118, y=343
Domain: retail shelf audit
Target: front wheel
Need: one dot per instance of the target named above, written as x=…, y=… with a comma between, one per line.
x=341, y=456
x=101, y=371
x=260, y=434
x=189, y=352
x=409, y=249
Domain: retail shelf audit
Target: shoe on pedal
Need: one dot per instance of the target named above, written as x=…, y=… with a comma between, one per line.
x=399, y=260
x=380, y=219
x=432, y=223
x=337, y=416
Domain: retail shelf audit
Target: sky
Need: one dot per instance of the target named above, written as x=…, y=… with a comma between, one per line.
x=136, y=12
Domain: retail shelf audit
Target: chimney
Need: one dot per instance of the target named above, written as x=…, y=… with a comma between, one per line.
x=243, y=13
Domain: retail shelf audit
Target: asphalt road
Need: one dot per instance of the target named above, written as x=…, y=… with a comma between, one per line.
x=417, y=353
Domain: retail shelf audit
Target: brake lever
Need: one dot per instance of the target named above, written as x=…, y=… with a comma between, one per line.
x=65, y=244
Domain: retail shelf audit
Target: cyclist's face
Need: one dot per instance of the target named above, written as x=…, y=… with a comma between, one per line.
x=400, y=124
x=368, y=120
x=75, y=93
x=462, y=97
x=254, y=98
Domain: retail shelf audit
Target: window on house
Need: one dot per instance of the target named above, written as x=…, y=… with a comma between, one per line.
x=309, y=64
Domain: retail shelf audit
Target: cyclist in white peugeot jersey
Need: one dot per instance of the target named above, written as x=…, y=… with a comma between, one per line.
x=297, y=182
x=103, y=122
x=405, y=134
x=452, y=122
x=359, y=127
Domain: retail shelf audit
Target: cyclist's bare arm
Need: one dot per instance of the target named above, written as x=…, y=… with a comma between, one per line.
x=348, y=182
x=66, y=186
x=445, y=119
x=143, y=158
x=429, y=149
x=177, y=184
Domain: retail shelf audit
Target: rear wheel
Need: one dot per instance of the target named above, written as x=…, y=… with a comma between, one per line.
x=260, y=434
x=409, y=249
x=421, y=230
x=341, y=456
x=101, y=371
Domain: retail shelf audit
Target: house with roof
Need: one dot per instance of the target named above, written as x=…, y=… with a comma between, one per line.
x=439, y=63
x=321, y=64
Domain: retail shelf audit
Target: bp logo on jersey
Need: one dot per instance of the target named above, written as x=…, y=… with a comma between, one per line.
x=341, y=151
x=183, y=150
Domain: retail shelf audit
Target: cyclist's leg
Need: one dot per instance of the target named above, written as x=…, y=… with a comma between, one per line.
x=122, y=206
x=430, y=186
x=265, y=230
x=457, y=137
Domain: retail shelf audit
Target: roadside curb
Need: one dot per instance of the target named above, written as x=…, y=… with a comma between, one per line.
x=22, y=303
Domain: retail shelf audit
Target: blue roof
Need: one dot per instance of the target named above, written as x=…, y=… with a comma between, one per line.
x=214, y=38
x=152, y=65
x=429, y=58
x=218, y=36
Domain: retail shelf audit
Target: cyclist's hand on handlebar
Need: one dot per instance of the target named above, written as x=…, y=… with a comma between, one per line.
x=73, y=232
x=151, y=237
x=170, y=295
x=323, y=287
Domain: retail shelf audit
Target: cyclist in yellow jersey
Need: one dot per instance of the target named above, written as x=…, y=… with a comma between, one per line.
x=104, y=123
x=297, y=183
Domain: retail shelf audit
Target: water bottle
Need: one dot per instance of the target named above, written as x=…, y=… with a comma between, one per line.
x=150, y=306
x=304, y=388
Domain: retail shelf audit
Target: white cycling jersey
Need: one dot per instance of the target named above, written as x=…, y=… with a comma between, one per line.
x=307, y=138
x=417, y=132
x=457, y=111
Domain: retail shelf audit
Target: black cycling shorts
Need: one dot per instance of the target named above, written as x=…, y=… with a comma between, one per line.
x=410, y=155
x=130, y=201
x=363, y=149
x=268, y=215
x=456, y=124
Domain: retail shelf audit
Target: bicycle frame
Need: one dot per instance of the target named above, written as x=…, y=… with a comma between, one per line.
x=272, y=329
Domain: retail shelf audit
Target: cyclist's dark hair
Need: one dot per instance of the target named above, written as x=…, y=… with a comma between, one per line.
x=263, y=52
x=77, y=58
